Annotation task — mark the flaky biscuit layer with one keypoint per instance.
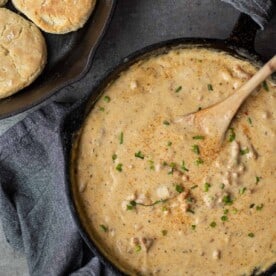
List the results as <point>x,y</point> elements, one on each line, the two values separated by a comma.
<point>23,52</point>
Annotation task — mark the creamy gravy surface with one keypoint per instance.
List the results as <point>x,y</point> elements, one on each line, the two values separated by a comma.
<point>150,200</point>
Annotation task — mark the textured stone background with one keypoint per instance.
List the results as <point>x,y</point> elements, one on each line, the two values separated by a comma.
<point>136,24</point>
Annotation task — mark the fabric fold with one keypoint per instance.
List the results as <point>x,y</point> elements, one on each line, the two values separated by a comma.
<point>34,210</point>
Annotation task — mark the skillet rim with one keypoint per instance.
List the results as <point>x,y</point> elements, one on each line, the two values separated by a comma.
<point>72,133</point>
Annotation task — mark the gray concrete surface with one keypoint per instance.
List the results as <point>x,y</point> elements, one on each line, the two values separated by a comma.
<point>138,23</point>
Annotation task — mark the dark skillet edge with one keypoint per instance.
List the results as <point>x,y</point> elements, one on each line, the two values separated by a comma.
<point>74,79</point>
<point>71,124</point>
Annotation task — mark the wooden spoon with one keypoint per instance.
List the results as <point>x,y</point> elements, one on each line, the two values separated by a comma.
<point>214,120</point>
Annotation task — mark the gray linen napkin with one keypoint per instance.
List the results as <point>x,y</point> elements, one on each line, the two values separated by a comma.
<point>259,10</point>
<point>33,206</point>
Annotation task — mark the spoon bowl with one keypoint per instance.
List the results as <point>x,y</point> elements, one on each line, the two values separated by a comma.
<point>213,121</point>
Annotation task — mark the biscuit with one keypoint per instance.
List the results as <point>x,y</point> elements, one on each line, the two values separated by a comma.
<point>3,2</point>
<point>23,52</point>
<point>55,16</point>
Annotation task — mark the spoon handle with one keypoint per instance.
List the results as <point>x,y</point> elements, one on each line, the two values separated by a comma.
<point>258,78</point>
<point>215,120</point>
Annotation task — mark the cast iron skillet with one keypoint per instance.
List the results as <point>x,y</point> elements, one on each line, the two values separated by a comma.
<point>69,58</point>
<point>240,44</point>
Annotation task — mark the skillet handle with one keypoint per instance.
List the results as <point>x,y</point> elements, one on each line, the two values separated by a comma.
<point>244,33</point>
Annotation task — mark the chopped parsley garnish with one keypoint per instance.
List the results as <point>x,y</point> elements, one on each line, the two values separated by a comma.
<point>164,208</point>
<point>193,187</point>
<point>198,137</point>
<point>259,207</point>
<point>199,161</point>
<point>139,155</point>
<point>151,164</point>
<point>258,178</point>
<point>213,224</point>
<point>164,163</point>
<point>119,167</point>
<point>224,218</point>
<point>101,109</point>
<point>227,200</point>
<point>114,156</point>
<point>249,120</point>
<point>132,204</point>
<point>155,202</point>
<point>178,89</point>
<point>207,186</point>
<point>183,167</point>
<point>179,188</point>
<point>226,211</point>
<point>232,135</point>
<point>121,138</point>
<point>173,166</point>
<point>193,226</point>
<point>222,186</point>
<point>244,151</point>
<point>190,199</point>
<point>242,190</point>
<point>107,99</point>
<point>164,232</point>
<point>195,149</point>
<point>251,235</point>
<point>165,122</point>
<point>251,205</point>
<point>235,211</point>
<point>190,211</point>
<point>103,228</point>
<point>265,86</point>
<point>169,143</point>
<point>138,248</point>
<point>210,87</point>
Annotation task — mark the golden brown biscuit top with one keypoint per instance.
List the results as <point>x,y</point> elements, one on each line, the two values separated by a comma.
<point>22,52</point>
<point>55,16</point>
